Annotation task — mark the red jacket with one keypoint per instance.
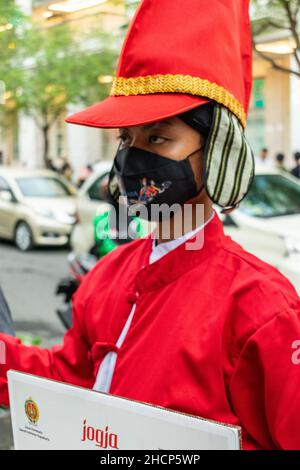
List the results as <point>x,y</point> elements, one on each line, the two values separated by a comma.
<point>212,335</point>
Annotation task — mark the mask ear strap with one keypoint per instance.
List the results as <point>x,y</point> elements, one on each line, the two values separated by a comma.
<point>200,190</point>
<point>195,151</point>
<point>113,191</point>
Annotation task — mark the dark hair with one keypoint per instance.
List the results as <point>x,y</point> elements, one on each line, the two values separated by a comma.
<point>199,118</point>
<point>280,157</point>
<point>297,156</point>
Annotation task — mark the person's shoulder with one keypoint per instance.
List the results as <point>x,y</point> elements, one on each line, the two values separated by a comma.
<point>258,283</point>
<point>124,252</point>
<point>257,293</point>
<point>124,259</point>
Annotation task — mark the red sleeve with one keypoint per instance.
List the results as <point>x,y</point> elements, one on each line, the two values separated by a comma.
<point>68,362</point>
<point>265,385</point>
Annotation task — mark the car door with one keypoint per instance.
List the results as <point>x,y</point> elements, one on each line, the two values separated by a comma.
<point>94,200</point>
<point>264,218</point>
<point>257,240</point>
<point>91,201</point>
<point>7,209</point>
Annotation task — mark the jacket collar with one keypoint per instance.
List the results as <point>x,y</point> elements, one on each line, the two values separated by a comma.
<point>181,259</point>
<point>162,249</point>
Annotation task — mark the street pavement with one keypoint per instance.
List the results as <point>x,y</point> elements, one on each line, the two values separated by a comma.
<point>28,281</point>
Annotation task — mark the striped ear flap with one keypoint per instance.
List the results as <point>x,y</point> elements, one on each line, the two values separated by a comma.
<point>229,160</point>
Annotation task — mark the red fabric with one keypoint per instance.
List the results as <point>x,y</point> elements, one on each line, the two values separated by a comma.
<point>212,335</point>
<point>208,40</point>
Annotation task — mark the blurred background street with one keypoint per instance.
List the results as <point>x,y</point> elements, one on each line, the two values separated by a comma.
<point>6,441</point>
<point>29,281</point>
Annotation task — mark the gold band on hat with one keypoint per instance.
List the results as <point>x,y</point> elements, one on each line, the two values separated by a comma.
<point>178,84</point>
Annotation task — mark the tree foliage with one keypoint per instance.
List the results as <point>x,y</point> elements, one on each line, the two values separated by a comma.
<point>49,67</point>
<point>282,16</point>
<point>11,28</point>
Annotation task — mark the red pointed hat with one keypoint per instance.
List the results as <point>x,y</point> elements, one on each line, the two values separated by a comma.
<point>176,56</point>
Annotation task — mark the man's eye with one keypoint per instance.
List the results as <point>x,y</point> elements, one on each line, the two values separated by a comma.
<point>156,139</point>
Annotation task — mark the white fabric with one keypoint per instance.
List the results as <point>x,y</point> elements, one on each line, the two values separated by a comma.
<point>107,366</point>
<point>158,251</point>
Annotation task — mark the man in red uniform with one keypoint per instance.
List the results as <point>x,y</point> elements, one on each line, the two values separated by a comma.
<point>211,331</point>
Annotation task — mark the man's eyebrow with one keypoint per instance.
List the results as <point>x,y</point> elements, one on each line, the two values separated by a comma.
<point>151,125</point>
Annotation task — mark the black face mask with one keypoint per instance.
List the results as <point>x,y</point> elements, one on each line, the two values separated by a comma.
<point>146,178</point>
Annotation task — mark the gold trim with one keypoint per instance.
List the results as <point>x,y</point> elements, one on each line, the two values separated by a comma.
<point>169,83</point>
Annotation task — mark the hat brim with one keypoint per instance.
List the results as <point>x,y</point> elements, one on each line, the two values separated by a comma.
<point>136,110</point>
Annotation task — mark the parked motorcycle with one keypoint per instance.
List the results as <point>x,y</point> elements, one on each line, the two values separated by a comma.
<point>79,266</point>
<point>7,327</point>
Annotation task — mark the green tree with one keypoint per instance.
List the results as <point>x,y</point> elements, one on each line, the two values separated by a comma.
<point>282,16</point>
<point>12,24</point>
<point>59,70</point>
<point>131,6</point>
<point>44,68</point>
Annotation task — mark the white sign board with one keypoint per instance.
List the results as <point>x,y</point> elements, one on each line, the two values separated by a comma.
<point>52,415</point>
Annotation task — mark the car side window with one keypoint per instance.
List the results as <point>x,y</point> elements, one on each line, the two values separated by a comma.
<point>98,189</point>
<point>4,186</point>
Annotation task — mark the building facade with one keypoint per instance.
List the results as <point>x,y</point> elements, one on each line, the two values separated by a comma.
<point>274,121</point>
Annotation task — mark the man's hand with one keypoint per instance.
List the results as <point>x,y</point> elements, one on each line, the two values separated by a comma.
<point>6,324</point>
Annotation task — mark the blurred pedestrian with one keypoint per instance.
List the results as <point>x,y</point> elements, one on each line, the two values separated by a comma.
<point>296,171</point>
<point>1,157</point>
<point>84,173</point>
<point>67,171</point>
<point>51,165</point>
<point>263,159</point>
<point>280,162</point>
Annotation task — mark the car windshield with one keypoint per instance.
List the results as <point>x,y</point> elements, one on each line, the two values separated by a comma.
<point>41,186</point>
<point>272,196</point>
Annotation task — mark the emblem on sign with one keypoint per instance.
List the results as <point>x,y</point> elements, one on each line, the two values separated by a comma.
<point>32,411</point>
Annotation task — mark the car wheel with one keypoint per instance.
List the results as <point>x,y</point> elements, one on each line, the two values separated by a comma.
<point>23,237</point>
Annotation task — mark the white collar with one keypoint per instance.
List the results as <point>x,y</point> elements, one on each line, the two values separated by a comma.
<point>158,251</point>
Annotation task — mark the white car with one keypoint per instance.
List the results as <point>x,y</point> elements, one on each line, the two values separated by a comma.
<point>37,207</point>
<point>90,201</point>
<point>267,223</point>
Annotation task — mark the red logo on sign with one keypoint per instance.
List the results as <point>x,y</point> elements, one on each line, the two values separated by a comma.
<point>102,438</point>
